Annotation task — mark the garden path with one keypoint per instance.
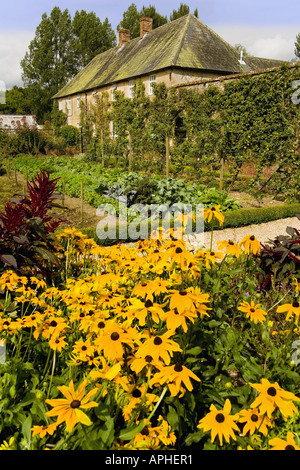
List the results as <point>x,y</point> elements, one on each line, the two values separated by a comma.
<point>263,232</point>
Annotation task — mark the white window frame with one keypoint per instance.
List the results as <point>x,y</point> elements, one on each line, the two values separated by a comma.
<point>131,88</point>
<point>113,88</point>
<point>69,106</point>
<point>60,105</point>
<point>78,101</point>
<point>152,79</point>
<point>114,135</point>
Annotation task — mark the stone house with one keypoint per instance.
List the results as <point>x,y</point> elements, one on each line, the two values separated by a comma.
<point>176,53</point>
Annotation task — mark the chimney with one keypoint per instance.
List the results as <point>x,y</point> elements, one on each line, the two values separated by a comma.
<point>124,37</point>
<point>145,26</point>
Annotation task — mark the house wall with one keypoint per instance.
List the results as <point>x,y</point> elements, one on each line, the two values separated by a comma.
<point>172,77</point>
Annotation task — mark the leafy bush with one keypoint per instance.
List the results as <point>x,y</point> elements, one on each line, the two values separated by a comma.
<point>70,134</point>
<point>26,229</point>
<point>280,258</point>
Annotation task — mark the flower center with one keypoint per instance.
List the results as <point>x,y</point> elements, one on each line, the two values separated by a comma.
<point>101,324</point>
<point>157,341</point>
<point>148,359</point>
<point>178,250</point>
<point>212,253</point>
<point>115,336</point>
<point>136,393</point>
<point>272,391</point>
<point>252,238</point>
<point>213,209</point>
<point>295,304</point>
<point>84,348</point>
<point>148,303</point>
<point>75,404</point>
<point>289,447</point>
<point>145,432</point>
<point>178,368</point>
<point>220,418</point>
<point>231,243</point>
<point>53,323</point>
<point>183,292</point>
<point>252,310</point>
<point>254,418</point>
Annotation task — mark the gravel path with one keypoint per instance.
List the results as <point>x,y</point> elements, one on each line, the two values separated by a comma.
<point>263,232</point>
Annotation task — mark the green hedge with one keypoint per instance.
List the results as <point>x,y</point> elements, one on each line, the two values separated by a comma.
<point>233,219</point>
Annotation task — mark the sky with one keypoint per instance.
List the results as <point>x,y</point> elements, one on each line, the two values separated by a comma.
<point>266,28</point>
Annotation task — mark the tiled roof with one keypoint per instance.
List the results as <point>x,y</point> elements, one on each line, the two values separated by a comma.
<point>184,43</point>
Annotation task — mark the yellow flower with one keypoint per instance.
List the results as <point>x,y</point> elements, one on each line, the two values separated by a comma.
<point>112,340</point>
<point>42,431</point>
<point>272,397</point>
<point>253,311</point>
<point>250,244</point>
<point>159,347</point>
<point>281,444</point>
<point>254,422</point>
<point>230,248</point>
<point>10,445</point>
<point>214,212</point>
<point>69,410</point>
<point>220,423</point>
<point>290,309</point>
<point>175,376</point>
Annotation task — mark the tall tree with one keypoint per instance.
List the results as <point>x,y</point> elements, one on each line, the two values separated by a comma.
<point>131,19</point>
<point>60,48</point>
<point>91,37</point>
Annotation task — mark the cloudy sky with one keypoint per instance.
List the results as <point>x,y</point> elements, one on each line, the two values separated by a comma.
<point>267,28</point>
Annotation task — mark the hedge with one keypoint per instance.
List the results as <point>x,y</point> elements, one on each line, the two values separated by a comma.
<point>233,219</point>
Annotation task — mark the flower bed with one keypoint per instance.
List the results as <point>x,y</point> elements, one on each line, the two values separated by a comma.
<point>147,347</point>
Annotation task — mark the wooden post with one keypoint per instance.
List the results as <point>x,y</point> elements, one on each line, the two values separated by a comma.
<point>167,156</point>
<point>63,190</point>
<point>221,184</point>
<point>81,191</point>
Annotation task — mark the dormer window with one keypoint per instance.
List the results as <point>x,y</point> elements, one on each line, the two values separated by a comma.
<point>152,79</point>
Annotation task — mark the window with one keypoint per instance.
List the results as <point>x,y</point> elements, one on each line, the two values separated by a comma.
<point>69,106</point>
<point>60,105</point>
<point>113,89</point>
<point>95,97</point>
<point>78,101</point>
<point>152,79</point>
<point>131,88</point>
<point>114,134</point>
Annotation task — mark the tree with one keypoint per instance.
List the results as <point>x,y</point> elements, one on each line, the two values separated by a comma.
<point>60,48</point>
<point>182,11</point>
<point>91,37</point>
<point>17,102</point>
<point>297,46</point>
<point>131,19</point>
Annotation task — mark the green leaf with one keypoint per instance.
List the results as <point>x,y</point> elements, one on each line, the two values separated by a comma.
<point>129,433</point>
<point>26,429</point>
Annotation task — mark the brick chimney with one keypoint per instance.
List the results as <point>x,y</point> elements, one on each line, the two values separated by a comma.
<point>124,37</point>
<point>145,26</point>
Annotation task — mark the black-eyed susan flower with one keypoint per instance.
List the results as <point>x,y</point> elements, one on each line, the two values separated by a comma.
<point>138,364</point>
<point>230,247</point>
<point>135,396</point>
<point>159,347</point>
<point>284,444</point>
<point>253,311</point>
<point>112,341</point>
<point>290,310</point>
<point>42,431</point>
<point>175,319</point>
<point>220,423</point>
<point>182,300</point>
<point>214,212</point>
<point>69,409</point>
<point>271,397</point>
<point>57,343</point>
<point>253,421</point>
<point>250,245</point>
<point>175,376</point>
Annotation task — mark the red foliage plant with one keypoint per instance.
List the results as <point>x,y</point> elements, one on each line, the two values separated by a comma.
<point>26,227</point>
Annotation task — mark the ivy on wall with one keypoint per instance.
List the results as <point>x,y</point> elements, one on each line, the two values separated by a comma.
<point>251,118</point>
